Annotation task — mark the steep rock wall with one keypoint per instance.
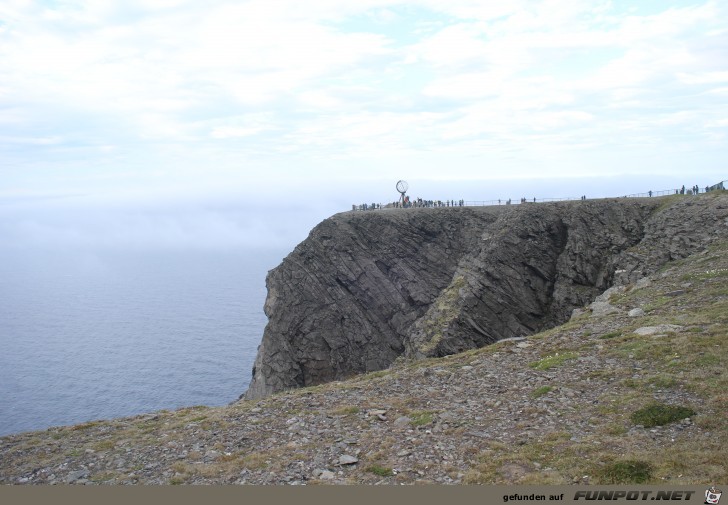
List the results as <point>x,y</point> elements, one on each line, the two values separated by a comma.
<point>367,287</point>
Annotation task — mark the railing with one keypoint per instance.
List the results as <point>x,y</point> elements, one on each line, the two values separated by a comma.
<point>485,203</point>
<point>482,203</point>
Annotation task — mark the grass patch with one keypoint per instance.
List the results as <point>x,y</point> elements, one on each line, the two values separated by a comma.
<point>345,411</point>
<point>657,303</point>
<point>554,451</point>
<point>228,466</point>
<point>255,461</point>
<point>380,470</point>
<point>626,472</point>
<point>643,349</point>
<point>708,360</point>
<point>85,426</point>
<point>442,312</point>
<point>193,408</point>
<point>611,334</point>
<point>105,445</point>
<point>615,429</point>
<point>662,381</point>
<point>179,467</point>
<point>539,392</point>
<point>552,360</point>
<point>659,414</point>
<point>667,201</point>
<point>708,274</point>
<point>103,477</point>
<point>422,418</point>
<point>376,375</point>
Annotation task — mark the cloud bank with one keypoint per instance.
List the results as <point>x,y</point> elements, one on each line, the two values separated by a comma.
<point>104,95</point>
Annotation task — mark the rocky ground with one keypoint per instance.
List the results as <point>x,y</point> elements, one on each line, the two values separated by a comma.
<point>553,408</point>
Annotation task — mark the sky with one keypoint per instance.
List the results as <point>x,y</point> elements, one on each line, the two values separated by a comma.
<point>223,124</point>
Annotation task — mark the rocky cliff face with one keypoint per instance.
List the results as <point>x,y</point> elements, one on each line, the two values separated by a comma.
<point>368,287</point>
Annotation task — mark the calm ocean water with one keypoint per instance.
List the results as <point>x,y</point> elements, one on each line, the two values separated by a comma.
<point>103,335</point>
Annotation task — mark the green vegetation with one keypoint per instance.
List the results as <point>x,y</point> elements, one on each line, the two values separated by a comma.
<point>658,302</point>
<point>421,418</point>
<point>630,383</point>
<point>376,375</point>
<point>104,445</point>
<point>552,361</point>
<point>707,360</point>
<point>346,411</point>
<point>611,334</point>
<point>103,477</point>
<point>662,381</point>
<point>659,414</point>
<point>538,392</point>
<point>708,274</point>
<point>626,472</point>
<point>640,349</point>
<point>446,309</point>
<point>615,429</point>
<point>380,470</point>
<point>85,426</point>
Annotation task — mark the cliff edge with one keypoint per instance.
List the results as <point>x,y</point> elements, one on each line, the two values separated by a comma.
<point>366,288</point>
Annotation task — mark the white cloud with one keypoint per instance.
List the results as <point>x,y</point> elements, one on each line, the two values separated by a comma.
<point>474,9</point>
<point>226,132</point>
<point>31,140</point>
<point>704,78</point>
<point>282,87</point>
<point>454,45</point>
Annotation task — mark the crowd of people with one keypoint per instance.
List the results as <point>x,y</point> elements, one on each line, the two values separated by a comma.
<point>406,203</point>
<point>692,191</point>
<point>420,203</point>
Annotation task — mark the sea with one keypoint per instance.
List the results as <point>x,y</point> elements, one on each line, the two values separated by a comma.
<point>98,335</point>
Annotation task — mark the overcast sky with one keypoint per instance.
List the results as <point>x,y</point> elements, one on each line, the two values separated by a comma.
<point>213,110</point>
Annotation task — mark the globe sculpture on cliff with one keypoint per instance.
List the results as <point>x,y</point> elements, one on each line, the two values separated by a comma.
<point>402,188</point>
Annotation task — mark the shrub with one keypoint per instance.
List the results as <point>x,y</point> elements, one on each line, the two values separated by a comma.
<point>659,414</point>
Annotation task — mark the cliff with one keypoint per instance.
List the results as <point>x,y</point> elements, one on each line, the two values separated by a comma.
<point>366,288</point>
<point>630,391</point>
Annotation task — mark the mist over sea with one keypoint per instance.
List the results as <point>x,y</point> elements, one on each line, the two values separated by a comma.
<point>98,335</point>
